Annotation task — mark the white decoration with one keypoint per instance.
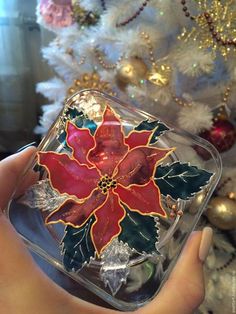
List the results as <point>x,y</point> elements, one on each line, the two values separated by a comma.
<point>50,113</point>
<point>54,89</point>
<point>195,118</point>
<point>192,61</point>
<point>115,269</point>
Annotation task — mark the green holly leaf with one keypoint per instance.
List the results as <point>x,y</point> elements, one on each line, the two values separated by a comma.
<point>77,246</point>
<point>139,232</point>
<point>159,127</point>
<point>181,180</point>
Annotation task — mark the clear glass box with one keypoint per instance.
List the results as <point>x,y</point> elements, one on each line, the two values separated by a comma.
<point>110,198</point>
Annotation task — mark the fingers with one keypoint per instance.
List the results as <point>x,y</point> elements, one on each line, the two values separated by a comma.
<point>13,253</point>
<point>11,169</point>
<point>184,290</point>
<point>24,288</point>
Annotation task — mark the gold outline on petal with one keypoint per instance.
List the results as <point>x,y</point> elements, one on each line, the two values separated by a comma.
<point>49,174</point>
<point>136,210</point>
<point>142,131</point>
<point>170,151</point>
<point>121,129</point>
<point>70,223</point>
<point>89,164</point>
<point>120,229</point>
<point>114,172</point>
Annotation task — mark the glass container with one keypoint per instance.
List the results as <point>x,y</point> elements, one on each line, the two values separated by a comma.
<point>112,195</point>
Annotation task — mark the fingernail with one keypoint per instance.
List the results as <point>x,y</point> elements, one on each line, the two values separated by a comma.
<point>24,147</point>
<point>206,241</point>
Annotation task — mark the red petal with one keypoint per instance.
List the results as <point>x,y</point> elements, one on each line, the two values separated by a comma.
<point>107,225</point>
<point>138,138</point>
<point>81,141</point>
<point>144,199</point>
<point>76,214</point>
<point>110,146</point>
<point>139,164</point>
<point>68,176</point>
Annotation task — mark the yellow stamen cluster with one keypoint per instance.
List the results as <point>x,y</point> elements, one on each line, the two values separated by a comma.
<point>106,183</point>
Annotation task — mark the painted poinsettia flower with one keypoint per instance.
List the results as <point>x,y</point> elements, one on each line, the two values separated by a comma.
<point>105,172</point>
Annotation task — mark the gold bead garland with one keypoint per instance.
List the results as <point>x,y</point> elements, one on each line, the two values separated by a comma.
<point>160,72</point>
<point>100,57</point>
<point>127,69</point>
<point>226,94</point>
<point>146,37</point>
<point>70,52</point>
<point>219,113</point>
<point>90,80</point>
<point>180,101</point>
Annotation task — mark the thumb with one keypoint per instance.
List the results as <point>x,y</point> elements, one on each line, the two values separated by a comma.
<point>13,253</point>
<point>11,169</point>
<point>184,290</point>
<point>23,286</point>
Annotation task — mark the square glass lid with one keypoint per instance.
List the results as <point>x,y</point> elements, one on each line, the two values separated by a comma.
<point>112,198</point>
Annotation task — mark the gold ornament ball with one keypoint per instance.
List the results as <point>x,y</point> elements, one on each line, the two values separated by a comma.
<point>197,202</point>
<point>221,212</point>
<point>131,71</point>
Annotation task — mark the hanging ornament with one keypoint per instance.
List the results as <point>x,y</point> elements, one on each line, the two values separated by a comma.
<point>56,13</point>
<point>221,212</point>
<point>215,25</point>
<point>131,71</point>
<point>222,135</point>
<point>159,75</point>
<point>83,17</point>
<point>160,72</point>
<point>90,80</point>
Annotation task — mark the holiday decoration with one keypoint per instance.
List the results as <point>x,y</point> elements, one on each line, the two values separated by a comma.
<point>178,74</point>
<point>109,188</point>
<point>56,13</point>
<point>221,212</point>
<point>214,26</point>
<point>88,80</point>
<point>131,71</point>
<point>83,17</point>
<point>159,75</point>
<point>134,16</point>
<point>222,135</point>
<point>201,113</point>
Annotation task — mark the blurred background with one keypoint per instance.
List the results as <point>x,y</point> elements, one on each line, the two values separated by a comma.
<point>175,59</point>
<point>21,66</point>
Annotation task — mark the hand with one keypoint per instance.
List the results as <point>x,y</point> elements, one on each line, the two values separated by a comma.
<point>25,289</point>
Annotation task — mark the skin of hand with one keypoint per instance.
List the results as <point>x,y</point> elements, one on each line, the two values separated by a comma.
<point>25,289</point>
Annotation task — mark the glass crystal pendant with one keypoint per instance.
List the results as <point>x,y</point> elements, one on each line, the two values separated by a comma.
<point>113,196</point>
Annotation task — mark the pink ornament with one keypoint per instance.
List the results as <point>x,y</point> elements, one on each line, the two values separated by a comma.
<point>57,13</point>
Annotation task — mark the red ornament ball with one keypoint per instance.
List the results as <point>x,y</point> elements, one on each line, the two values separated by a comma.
<point>222,135</point>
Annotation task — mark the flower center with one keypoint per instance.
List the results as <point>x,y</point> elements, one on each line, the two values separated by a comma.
<point>106,183</point>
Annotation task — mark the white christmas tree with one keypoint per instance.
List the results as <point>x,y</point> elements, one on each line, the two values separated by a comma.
<point>176,60</point>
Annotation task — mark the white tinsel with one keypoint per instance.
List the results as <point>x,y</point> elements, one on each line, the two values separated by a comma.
<point>192,61</point>
<point>195,118</point>
<point>89,5</point>
<point>67,67</point>
<point>50,113</point>
<point>54,89</point>
<point>169,16</point>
